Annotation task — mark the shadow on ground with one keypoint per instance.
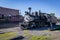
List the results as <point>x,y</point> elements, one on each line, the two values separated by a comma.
<point>9,25</point>
<point>16,24</point>
<point>57,27</point>
<point>18,38</point>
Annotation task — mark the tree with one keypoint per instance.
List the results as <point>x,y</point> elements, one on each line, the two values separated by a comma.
<point>52,14</point>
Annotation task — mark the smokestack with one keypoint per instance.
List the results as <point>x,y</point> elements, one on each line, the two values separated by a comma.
<point>29,10</point>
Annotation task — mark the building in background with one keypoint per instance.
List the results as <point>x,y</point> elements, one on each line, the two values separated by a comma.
<point>10,14</point>
<point>8,11</point>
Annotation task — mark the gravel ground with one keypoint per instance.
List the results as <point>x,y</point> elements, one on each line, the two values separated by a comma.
<point>37,31</point>
<point>19,32</point>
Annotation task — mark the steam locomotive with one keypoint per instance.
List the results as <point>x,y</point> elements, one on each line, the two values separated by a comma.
<point>37,19</point>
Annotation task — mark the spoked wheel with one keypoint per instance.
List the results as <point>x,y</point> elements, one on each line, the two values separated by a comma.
<point>33,25</point>
<point>24,27</point>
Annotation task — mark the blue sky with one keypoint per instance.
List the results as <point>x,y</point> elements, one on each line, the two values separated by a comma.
<point>48,6</point>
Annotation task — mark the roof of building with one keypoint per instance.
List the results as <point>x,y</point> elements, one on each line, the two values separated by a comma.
<point>8,11</point>
<point>8,8</point>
